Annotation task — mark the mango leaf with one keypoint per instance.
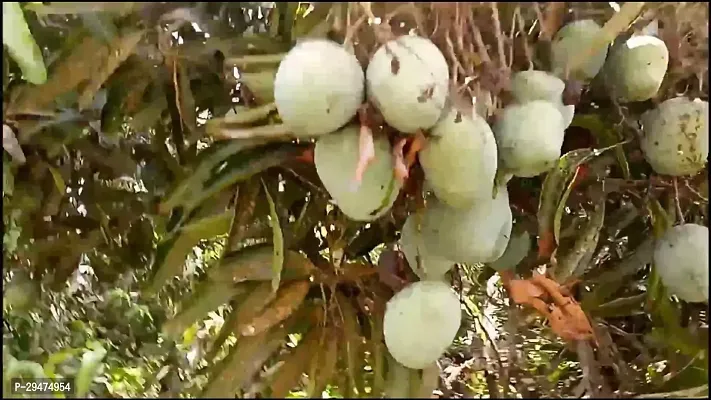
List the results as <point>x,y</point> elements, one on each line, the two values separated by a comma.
<point>553,192</point>
<point>553,187</point>
<point>281,20</point>
<point>247,357</point>
<point>608,283</point>
<point>58,358</point>
<point>428,382</point>
<point>397,385</point>
<point>288,299</point>
<point>89,369</point>
<point>325,365</point>
<point>185,100</point>
<point>247,196</point>
<point>62,7</point>
<point>294,364</point>
<point>254,264</point>
<point>621,307</point>
<point>573,263</point>
<point>11,145</point>
<point>207,297</point>
<point>21,45</point>
<point>253,305</point>
<point>208,162</point>
<point>237,168</point>
<point>101,26</point>
<point>260,84</point>
<point>605,137</point>
<point>228,326</point>
<point>85,68</point>
<point>377,353</point>
<point>352,345</point>
<point>113,56</point>
<point>277,241</point>
<point>171,253</point>
<point>240,116</point>
<point>315,24</point>
<point>558,216</point>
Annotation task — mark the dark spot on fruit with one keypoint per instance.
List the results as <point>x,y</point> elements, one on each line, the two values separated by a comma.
<point>382,187</point>
<point>328,110</point>
<point>394,65</point>
<point>649,63</point>
<point>656,143</point>
<point>426,94</point>
<point>458,117</point>
<point>678,147</point>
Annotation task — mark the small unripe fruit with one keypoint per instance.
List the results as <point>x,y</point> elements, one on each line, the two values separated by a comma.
<point>532,85</point>
<point>635,70</point>
<point>681,260</point>
<point>336,158</point>
<point>517,249</point>
<point>318,87</point>
<point>408,80</point>
<point>676,136</point>
<point>478,234</point>
<point>420,323</point>
<point>422,263</point>
<point>569,42</point>
<point>460,159</point>
<point>529,137</point>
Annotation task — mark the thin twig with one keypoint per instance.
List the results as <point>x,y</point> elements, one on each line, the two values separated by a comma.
<point>499,38</point>
<point>677,203</point>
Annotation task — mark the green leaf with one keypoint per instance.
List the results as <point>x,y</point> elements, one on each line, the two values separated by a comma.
<point>397,385</point>
<point>217,160</point>
<point>240,116</point>
<point>554,186</point>
<point>207,297</point>
<point>241,167</point>
<point>260,84</point>
<point>89,369</point>
<point>245,359</point>
<point>61,7</point>
<point>605,137</point>
<point>57,358</point>
<point>254,263</point>
<point>171,253</point>
<point>574,263</point>
<point>21,45</point>
<point>277,241</point>
<point>621,307</point>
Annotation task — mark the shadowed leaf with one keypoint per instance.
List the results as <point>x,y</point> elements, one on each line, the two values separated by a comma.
<point>254,263</point>
<point>207,297</point>
<point>288,299</point>
<point>277,241</point>
<point>171,254</point>
<point>295,363</point>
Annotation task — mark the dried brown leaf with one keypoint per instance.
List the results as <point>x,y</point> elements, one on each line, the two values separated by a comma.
<point>85,69</point>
